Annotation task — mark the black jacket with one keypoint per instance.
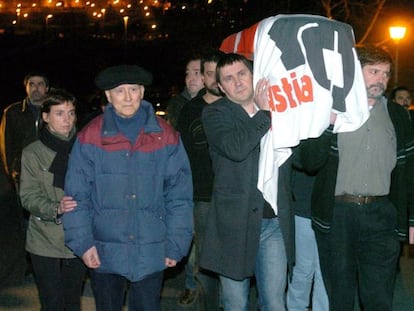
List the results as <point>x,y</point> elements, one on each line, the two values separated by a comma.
<point>234,222</point>
<point>19,128</point>
<point>195,142</point>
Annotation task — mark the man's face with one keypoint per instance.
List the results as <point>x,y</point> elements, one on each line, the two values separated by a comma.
<point>376,79</point>
<point>236,81</point>
<point>61,118</point>
<point>126,99</point>
<point>209,78</point>
<point>36,89</point>
<point>193,80</point>
<point>403,98</point>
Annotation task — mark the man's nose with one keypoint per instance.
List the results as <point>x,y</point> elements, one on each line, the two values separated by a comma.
<point>384,79</point>
<point>237,80</point>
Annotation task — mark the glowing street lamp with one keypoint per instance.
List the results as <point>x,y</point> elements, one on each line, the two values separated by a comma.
<point>126,28</point>
<point>126,34</point>
<point>103,11</point>
<point>397,33</point>
<point>49,16</point>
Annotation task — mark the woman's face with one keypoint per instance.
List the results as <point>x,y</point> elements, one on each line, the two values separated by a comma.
<point>61,118</point>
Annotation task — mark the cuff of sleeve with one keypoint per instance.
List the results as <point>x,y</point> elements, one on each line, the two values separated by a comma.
<point>57,217</point>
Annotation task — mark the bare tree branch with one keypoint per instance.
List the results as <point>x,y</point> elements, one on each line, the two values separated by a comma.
<point>373,21</point>
<point>361,14</point>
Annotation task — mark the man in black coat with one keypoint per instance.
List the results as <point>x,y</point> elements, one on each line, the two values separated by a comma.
<point>245,236</point>
<point>20,123</point>
<point>19,127</point>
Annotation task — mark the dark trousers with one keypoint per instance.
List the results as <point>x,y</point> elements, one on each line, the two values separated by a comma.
<point>360,252</point>
<point>109,292</point>
<point>59,282</point>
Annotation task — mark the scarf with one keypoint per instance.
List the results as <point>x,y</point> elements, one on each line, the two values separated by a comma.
<point>62,148</point>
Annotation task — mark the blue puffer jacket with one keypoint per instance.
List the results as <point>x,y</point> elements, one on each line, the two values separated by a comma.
<point>134,201</point>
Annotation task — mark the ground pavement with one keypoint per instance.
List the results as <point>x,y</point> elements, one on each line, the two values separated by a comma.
<point>24,296</point>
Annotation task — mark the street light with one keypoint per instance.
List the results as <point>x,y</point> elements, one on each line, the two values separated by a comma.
<point>397,33</point>
<point>126,28</point>
<point>49,16</point>
<point>103,11</point>
<point>126,35</point>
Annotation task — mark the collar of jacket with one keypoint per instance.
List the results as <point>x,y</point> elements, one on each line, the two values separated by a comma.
<point>109,128</point>
<point>25,104</point>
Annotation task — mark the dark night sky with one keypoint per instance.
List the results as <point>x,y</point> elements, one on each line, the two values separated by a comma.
<point>73,64</point>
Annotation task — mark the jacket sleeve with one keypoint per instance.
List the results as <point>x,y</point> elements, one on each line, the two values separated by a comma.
<point>410,184</point>
<point>7,143</point>
<point>409,172</point>
<point>178,195</point>
<point>314,152</point>
<point>233,134</point>
<point>32,192</point>
<point>78,184</point>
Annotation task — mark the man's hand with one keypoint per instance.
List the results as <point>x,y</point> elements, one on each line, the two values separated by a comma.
<point>411,235</point>
<point>170,262</point>
<point>91,258</point>
<point>261,94</point>
<point>333,118</point>
<point>67,204</point>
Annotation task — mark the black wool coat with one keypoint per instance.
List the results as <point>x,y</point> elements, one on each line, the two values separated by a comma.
<point>233,229</point>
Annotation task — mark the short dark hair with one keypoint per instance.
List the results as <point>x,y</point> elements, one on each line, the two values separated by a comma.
<point>229,59</point>
<point>370,55</point>
<point>57,97</point>
<point>397,89</point>
<point>212,56</point>
<point>193,57</point>
<point>36,74</point>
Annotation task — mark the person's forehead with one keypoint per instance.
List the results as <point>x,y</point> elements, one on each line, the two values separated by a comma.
<point>122,86</point>
<point>193,65</point>
<point>66,105</point>
<point>210,65</point>
<point>36,79</point>
<point>234,67</point>
<point>383,66</point>
<point>403,93</point>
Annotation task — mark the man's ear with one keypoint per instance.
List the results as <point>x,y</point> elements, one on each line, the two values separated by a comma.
<point>45,117</point>
<point>142,91</point>
<point>220,87</point>
<point>108,96</point>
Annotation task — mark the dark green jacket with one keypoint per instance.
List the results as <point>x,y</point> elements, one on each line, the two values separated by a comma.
<point>38,195</point>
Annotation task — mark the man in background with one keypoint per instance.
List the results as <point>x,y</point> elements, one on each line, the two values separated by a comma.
<point>402,95</point>
<point>193,84</point>
<point>20,123</point>
<point>19,127</point>
<point>195,142</point>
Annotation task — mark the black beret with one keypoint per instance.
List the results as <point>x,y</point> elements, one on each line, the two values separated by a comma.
<point>111,77</point>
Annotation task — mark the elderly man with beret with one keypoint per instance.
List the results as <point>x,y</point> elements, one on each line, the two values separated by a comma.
<point>130,182</point>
